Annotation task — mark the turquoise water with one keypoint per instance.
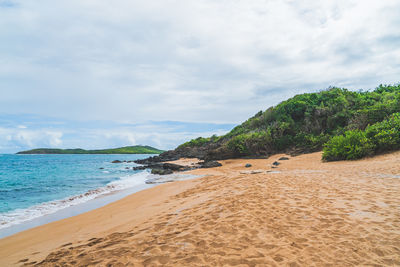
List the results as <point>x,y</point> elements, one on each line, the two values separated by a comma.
<point>35,185</point>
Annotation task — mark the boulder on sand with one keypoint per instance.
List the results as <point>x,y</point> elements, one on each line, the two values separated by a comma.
<point>210,164</point>
<point>172,166</point>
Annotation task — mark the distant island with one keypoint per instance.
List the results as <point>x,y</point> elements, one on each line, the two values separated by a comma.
<point>120,150</point>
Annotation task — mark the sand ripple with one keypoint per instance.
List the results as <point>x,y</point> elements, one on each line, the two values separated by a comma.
<point>307,214</point>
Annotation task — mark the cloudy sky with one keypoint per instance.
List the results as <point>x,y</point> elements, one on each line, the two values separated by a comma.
<point>98,73</point>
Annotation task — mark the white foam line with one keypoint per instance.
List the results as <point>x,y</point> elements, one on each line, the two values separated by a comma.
<point>23,215</point>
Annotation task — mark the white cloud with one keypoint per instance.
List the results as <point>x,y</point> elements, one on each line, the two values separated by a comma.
<point>218,61</point>
<point>17,139</point>
<point>58,133</point>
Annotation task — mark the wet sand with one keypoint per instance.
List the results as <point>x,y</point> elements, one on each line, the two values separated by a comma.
<point>302,213</point>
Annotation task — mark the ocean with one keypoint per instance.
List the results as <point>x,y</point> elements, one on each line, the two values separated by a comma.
<point>33,186</point>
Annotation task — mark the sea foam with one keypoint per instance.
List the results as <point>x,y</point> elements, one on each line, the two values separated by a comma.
<point>19,216</point>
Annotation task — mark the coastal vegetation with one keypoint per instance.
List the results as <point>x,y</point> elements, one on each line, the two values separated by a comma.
<point>345,124</point>
<point>120,150</point>
<point>354,144</point>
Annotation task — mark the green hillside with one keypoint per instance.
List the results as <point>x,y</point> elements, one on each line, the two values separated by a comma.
<point>121,150</point>
<point>308,122</point>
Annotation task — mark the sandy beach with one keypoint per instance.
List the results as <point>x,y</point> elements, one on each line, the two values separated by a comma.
<point>302,213</point>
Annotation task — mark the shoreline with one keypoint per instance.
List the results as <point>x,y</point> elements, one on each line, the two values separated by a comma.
<point>40,240</point>
<point>39,185</point>
<point>302,212</point>
<point>91,204</point>
<point>70,211</point>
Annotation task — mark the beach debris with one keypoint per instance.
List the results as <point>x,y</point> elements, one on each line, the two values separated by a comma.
<point>210,164</point>
<point>284,158</point>
<point>276,163</point>
<point>116,161</point>
<point>248,165</point>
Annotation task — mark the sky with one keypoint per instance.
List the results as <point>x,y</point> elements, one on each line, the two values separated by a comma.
<point>98,74</point>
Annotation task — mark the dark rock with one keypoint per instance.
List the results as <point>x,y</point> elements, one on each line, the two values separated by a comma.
<point>284,158</point>
<point>276,163</point>
<point>116,161</point>
<point>161,171</point>
<point>219,153</point>
<point>157,166</point>
<point>209,164</point>
<point>201,153</point>
<point>127,168</point>
<point>248,165</point>
<point>101,168</point>
<point>139,168</point>
<point>174,167</point>
<point>164,166</point>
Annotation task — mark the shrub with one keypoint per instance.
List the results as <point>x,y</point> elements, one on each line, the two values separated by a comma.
<point>305,122</point>
<point>238,144</point>
<point>352,145</point>
<point>311,142</point>
<point>200,141</point>
<point>255,143</point>
<point>385,135</point>
<point>379,137</point>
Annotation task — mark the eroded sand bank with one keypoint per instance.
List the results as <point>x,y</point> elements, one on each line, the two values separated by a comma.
<point>302,213</point>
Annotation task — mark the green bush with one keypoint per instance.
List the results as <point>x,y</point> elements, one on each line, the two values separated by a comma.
<point>379,137</point>
<point>200,141</point>
<point>237,144</point>
<point>305,122</point>
<point>385,135</point>
<point>311,142</point>
<point>256,143</point>
<point>352,145</point>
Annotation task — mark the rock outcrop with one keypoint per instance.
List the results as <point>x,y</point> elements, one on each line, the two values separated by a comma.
<point>209,164</point>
